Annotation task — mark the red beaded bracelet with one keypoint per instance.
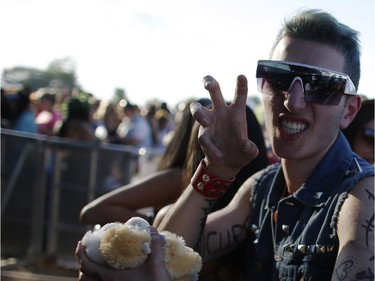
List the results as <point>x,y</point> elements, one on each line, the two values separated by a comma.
<point>207,184</point>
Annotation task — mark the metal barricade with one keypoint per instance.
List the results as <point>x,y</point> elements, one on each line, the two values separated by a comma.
<point>22,190</point>
<point>45,182</point>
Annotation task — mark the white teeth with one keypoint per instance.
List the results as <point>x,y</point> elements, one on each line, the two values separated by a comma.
<point>292,127</point>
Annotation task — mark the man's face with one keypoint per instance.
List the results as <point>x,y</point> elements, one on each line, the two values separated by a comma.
<point>297,129</point>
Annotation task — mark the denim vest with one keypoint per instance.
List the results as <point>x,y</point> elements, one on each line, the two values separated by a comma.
<point>296,236</point>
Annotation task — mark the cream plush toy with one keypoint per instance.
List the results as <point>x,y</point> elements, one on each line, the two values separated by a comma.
<point>127,245</point>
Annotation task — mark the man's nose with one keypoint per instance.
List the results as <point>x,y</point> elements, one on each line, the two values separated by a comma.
<point>295,98</point>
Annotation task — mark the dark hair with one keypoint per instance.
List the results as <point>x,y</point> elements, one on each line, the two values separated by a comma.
<point>49,97</point>
<point>79,108</point>
<point>322,27</point>
<point>77,112</point>
<point>177,149</point>
<point>23,100</point>
<point>365,114</point>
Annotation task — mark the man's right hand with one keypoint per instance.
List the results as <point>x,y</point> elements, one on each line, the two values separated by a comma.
<point>223,130</point>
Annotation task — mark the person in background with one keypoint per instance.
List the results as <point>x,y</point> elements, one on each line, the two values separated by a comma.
<point>109,119</point>
<point>16,111</point>
<point>6,110</point>
<point>164,106</point>
<point>163,127</point>
<point>360,133</point>
<point>94,106</point>
<point>77,123</point>
<point>149,114</point>
<point>47,116</point>
<point>134,129</point>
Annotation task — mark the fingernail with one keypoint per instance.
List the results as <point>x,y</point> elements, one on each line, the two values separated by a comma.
<point>208,81</point>
<point>153,230</point>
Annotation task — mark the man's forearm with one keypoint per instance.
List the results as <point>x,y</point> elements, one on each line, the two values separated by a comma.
<point>188,216</point>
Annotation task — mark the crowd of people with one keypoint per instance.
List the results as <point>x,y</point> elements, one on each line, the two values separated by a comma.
<point>78,115</point>
<point>304,212</point>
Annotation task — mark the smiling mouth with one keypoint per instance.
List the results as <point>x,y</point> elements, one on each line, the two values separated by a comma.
<point>292,127</point>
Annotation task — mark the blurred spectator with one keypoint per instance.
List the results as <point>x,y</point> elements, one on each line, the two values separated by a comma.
<point>360,133</point>
<point>94,106</point>
<point>47,115</point>
<point>164,106</point>
<point>134,129</point>
<point>150,117</point>
<point>16,112</point>
<point>6,112</point>
<point>108,119</point>
<point>163,126</point>
<point>77,123</point>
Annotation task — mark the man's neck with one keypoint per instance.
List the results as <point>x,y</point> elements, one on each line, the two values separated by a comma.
<point>296,172</point>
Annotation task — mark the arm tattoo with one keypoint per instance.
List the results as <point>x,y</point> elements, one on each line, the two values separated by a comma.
<point>369,223</point>
<point>205,211</point>
<point>344,270</point>
<point>367,275</point>
<point>227,240</point>
<point>369,227</point>
<point>369,194</point>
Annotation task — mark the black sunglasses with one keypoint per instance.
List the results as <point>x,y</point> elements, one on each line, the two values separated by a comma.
<point>321,86</point>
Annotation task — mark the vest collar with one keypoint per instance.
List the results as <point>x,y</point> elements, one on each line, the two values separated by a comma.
<point>336,164</point>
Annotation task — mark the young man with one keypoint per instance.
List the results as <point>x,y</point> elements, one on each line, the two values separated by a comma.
<point>313,215</point>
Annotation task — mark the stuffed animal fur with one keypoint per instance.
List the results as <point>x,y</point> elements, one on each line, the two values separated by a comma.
<point>126,246</point>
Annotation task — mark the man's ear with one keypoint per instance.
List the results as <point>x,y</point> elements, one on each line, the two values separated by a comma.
<point>353,104</point>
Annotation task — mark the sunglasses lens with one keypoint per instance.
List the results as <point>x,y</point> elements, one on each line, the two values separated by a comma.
<point>319,89</point>
<point>323,90</point>
<point>277,84</point>
<point>279,79</point>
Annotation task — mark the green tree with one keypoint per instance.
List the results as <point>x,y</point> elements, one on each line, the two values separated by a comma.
<point>59,74</point>
<point>119,94</point>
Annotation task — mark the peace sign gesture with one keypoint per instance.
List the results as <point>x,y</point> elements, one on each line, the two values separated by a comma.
<point>223,130</point>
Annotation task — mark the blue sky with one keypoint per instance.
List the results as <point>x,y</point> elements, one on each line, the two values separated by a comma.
<point>162,49</point>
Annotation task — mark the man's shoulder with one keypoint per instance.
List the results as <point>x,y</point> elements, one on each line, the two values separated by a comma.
<point>364,188</point>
